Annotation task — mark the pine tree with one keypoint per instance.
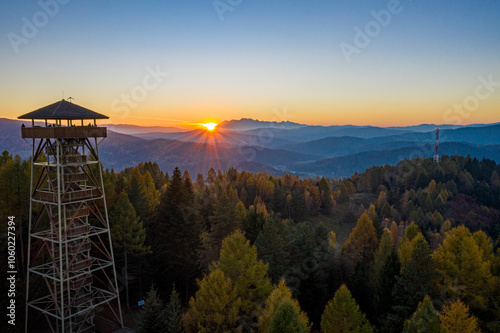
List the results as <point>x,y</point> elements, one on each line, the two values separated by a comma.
<point>455,318</point>
<point>238,261</point>
<point>173,314</point>
<point>128,234</point>
<point>342,314</point>
<point>463,271</point>
<point>280,294</point>
<point>287,319</point>
<point>362,242</point>
<point>215,306</point>
<point>152,317</point>
<point>424,320</point>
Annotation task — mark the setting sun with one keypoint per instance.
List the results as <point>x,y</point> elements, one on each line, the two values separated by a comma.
<point>210,126</point>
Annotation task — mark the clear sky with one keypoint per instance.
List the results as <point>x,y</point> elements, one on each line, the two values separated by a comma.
<point>309,61</point>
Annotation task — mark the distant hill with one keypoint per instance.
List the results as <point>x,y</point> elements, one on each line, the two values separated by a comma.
<point>344,145</point>
<point>345,166</point>
<point>245,124</point>
<point>309,133</point>
<point>134,129</point>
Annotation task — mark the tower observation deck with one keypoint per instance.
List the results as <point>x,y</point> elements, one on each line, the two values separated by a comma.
<point>71,277</point>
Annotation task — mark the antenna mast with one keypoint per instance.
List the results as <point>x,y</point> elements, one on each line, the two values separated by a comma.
<point>436,148</point>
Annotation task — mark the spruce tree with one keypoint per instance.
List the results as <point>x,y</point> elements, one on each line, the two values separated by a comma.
<point>416,281</point>
<point>424,320</point>
<point>152,317</point>
<point>280,294</point>
<point>384,299</point>
<point>384,250</point>
<point>287,319</point>
<point>272,245</point>
<point>176,236</point>
<point>128,234</point>
<point>173,314</point>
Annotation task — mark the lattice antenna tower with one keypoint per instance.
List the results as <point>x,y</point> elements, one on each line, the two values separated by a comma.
<point>436,147</point>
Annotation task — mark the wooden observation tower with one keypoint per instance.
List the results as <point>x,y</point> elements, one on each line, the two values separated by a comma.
<point>71,278</point>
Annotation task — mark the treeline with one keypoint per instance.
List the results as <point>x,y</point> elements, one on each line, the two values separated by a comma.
<point>254,251</point>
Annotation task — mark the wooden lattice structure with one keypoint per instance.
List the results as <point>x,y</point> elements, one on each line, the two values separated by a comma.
<point>71,276</point>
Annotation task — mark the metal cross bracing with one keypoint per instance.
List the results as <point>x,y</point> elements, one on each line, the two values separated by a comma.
<point>71,272</point>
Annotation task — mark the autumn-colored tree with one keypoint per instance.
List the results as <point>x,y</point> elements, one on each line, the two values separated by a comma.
<point>456,318</point>
<point>287,319</point>
<point>238,261</point>
<point>342,314</point>
<point>384,250</point>
<point>394,232</point>
<point>280,294</point>
<point>362,242</point>
<point>215,306</point>
<point>151,194</point>
<point>408,243</point>
<point>463,270</point>
<point>424,320</point>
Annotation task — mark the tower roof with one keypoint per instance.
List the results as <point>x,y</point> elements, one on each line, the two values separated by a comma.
<point>63,110</point>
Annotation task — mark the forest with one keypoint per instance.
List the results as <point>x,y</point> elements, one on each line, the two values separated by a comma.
<point>413,247</point>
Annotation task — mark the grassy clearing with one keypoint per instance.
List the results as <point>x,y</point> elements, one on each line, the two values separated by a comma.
<point>341,222</point>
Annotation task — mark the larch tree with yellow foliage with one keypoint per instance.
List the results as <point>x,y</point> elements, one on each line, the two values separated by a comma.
<point>238,261</point>
<point>464,269</point>
<point>362,241</point>
<point>215,306</point>
<point>456,318</point>
<point>343,315</point>
<point>280,294</point>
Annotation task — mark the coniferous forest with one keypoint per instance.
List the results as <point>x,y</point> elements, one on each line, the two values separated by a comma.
<point>413,247</point>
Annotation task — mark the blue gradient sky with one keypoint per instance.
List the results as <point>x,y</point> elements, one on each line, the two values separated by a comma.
<point>265,57</point>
